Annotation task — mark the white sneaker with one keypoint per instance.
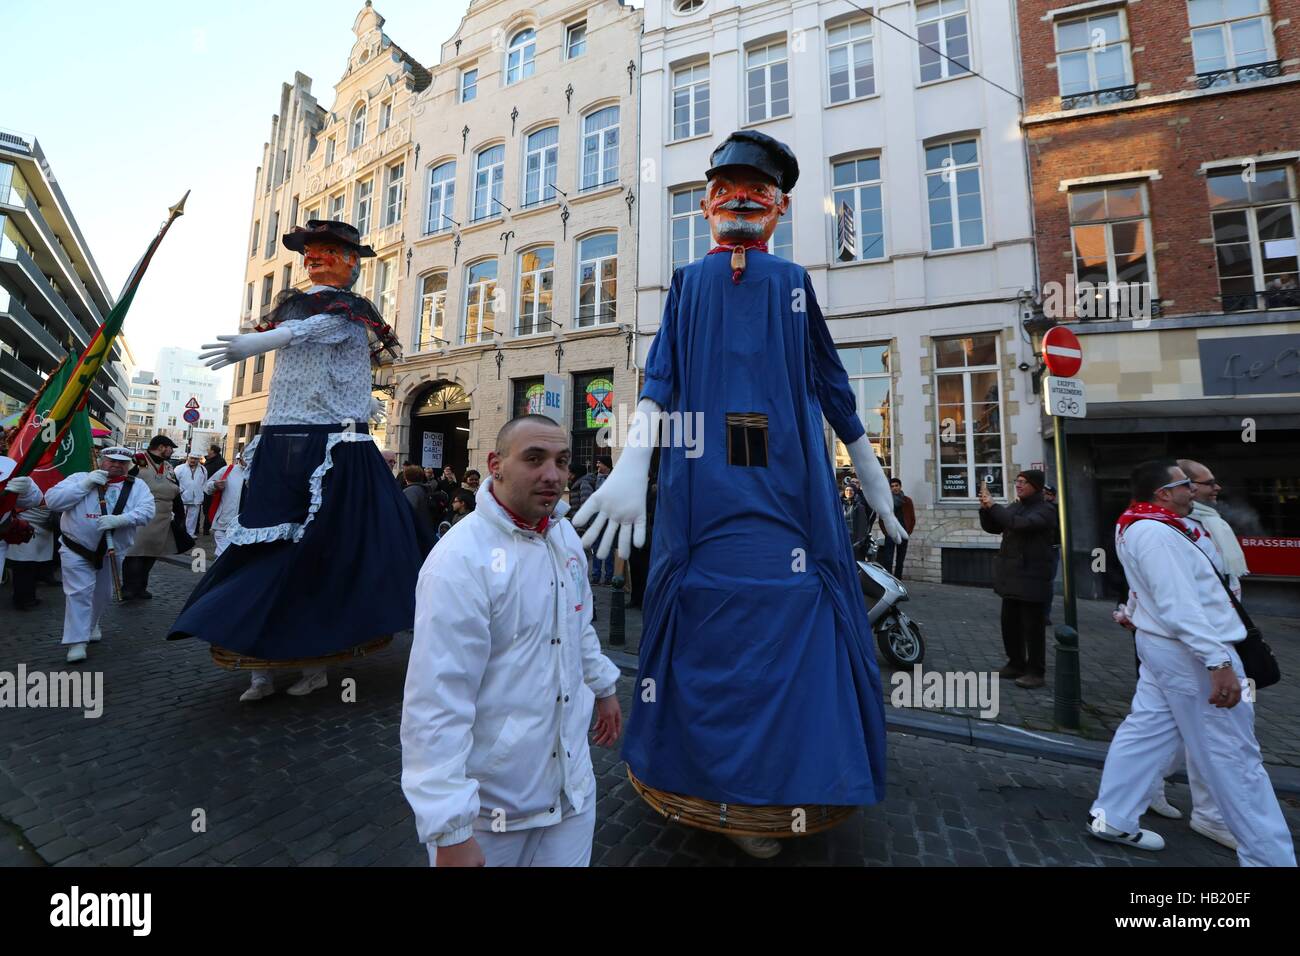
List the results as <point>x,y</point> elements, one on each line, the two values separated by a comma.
<point>308,683</point>
<point>96,634</point>
<point>76,652</point>
<point>257,690</point>
<point>1141,840</point>
<point>1219,834</point>
<point>761,848</point>
<point>1161,805</point>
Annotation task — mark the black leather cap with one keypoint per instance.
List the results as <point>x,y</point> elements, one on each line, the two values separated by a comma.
<point>334,229</point>
<point>759,151</point>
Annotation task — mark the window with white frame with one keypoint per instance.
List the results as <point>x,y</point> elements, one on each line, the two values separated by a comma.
<point>541,161</point>
<point>767,82</point>
<point>575,40</point>
<point>851,60</point>
<point>1229,33</point>
<point>358,127</point>
<point>600,148</point>
<point>468,85</point>
<point>521,55</point>
<point>783,235</point>
<point>386,288</point>
<point>395,180</point>
<point>943,27</point>
<point>691,101</point>
<point>271,230</point>
<point>968,399</point>
<point>683,7</point>
<point>597,279</point>
<point>857,186</point>
<point>480,305</point>
<point>1110,228</point>
<point>361,219</point>
<point>870,378</point>
<point>257,238</point>
<point>442,193</point>
<point>329,151</point>
<point>336,207</point>
<point>689,229</point>
<point>536,288</point>
<point>293,213</point>
<point>430,332</point>
<point>952,180</point>
<point>385,115</point>
<point>1092,54</point>
<point>1256,224</point>
<point>313,213</point>
<point>489,174</point>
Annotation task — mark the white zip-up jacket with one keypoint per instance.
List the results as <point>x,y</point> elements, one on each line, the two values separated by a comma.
<point>81,511</point>
<point>228,509</point>
<point>191,481</point>
<point>1176,592</point>
<point>503,674</point>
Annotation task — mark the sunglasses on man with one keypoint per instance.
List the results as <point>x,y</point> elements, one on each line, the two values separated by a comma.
<point>1176,484</point>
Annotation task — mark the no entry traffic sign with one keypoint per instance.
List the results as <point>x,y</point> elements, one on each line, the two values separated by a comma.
<point>1061,352</point>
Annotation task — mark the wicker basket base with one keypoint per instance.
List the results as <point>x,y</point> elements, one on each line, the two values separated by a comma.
<point>738,819</point>
<point>238,662</point>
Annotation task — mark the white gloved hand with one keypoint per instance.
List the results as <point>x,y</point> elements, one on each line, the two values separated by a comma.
<point>231,349</point>
<point>378,412</point>
<point>618,505</point>
<point>20,485</point>
<point>109,522</point>
<point>875,487</point>
<point>95,478</point>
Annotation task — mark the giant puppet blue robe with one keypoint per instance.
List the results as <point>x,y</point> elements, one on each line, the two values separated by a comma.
<point>766,690</point>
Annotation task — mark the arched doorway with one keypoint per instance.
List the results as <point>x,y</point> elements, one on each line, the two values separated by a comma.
<point>441,412</point>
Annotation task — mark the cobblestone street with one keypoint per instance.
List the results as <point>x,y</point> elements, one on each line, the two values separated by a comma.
<point>315,781</point>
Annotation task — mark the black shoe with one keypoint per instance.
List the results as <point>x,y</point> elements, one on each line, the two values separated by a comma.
<point>1011,672</point>
<point>26,605</point>
<point>145,596</point>
<point>1031,681</point>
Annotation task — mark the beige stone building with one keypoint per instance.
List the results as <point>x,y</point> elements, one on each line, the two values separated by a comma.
<point>352,162</point>
<point>519,280</point>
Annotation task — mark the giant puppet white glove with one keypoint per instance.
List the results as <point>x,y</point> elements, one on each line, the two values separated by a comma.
<point>875,487</point>
<point>378,412</point>
<point>618,505</point>
<point>231,349</point>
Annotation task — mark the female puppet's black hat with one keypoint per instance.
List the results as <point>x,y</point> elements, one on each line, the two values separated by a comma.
<point>333,229</point>
<point>759,151</point>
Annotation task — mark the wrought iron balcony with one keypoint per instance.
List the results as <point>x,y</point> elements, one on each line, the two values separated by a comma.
<point>1267,299</point>
<point>1248,73</point>
<point>1112,94</point>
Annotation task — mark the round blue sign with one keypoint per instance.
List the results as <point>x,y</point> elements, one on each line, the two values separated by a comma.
<point>191,415</point>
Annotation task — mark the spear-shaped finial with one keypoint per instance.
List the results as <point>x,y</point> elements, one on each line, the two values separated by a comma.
<point>178,209</point>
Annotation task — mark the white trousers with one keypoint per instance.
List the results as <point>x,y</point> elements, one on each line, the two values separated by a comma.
<point>1171,708</point>
<point>220,538</point>
<point>192,518</point>
<point>567,843</point>
<point>86,592</point>
<point>1203,806</point>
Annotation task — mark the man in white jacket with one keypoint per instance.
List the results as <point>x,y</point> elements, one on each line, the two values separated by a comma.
<point>1189,689</point>
<point>225,486</point>
<point>26,490</point>
<point>504,670</point>
<point>87,577</point>
<point>192,476</point>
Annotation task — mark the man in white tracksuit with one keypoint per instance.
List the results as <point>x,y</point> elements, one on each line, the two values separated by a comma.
<point>87,577</point>
<point>1190,682</point>
<point>192,476</point>
<point>29,496</point>
<point>228,483</point>
<point>504,670</point>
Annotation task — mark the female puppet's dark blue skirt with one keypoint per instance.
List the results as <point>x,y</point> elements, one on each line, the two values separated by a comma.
<point>324,557</point>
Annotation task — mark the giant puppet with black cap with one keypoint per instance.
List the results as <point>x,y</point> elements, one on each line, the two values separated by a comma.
<point>320,562</point>
<point>759,690</point>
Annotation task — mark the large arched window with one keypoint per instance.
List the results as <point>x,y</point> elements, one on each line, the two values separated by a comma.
<point>597,279</point>
<point>541,159</point>
<point>520,57</point>
<point>480,305</point>
<point>442,193</point>
<point>489,174</point>
<point>433,312</point>
<point>600,148</point>
<point>358,126</point>
<point>536,288</point>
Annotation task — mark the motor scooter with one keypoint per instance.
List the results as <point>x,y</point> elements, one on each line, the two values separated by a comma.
<point>897,635</point>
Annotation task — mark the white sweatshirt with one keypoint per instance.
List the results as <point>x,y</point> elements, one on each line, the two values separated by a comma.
<point>81,510</point>
<point>503,674</point>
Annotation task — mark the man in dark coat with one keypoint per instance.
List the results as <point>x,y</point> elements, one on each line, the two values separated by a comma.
<point>1025,567</point>
<point>213,463</point>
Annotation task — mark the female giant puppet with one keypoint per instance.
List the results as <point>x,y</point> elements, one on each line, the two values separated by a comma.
<point>758,710</point>
<point>322,559</point>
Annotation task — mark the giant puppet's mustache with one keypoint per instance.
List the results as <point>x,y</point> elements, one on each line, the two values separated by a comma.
<point>743,205</point>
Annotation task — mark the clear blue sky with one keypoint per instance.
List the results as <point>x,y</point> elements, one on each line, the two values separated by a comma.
<point>133,103</point>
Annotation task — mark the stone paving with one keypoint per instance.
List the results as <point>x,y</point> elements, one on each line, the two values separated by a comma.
<point>315,781</point>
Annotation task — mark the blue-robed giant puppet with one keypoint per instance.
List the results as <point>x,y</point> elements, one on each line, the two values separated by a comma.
<point>323,558</point>
<point>758,685</point>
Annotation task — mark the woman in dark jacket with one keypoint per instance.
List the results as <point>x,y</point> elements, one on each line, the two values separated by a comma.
<point>858,521</point>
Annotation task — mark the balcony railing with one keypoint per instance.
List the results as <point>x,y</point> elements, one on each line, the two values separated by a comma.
<point>1248,73</point>
<point>1267,299</point>
<point>1112,94</point>
<point>1116,302</point>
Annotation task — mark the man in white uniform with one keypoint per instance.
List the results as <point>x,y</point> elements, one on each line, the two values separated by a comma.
<point>87,577</point>
<point>29,496</point>
<point>1190,682</point>
<point>225,486</point>
<point>504,670</point>
<point>192,476</point>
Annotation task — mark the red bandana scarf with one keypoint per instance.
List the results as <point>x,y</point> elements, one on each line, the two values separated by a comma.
<point>737,250</point>
<point>540,527</point>
<point>1138,510</point>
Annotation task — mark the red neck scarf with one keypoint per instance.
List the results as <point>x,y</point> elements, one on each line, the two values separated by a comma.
<point>1139,510</point>
<point>118,480</point>
<point>540,527</point>
<point>758,244</point>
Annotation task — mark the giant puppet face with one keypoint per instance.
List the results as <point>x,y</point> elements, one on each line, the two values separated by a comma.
<point>331,263</point>
<point>742,205</point>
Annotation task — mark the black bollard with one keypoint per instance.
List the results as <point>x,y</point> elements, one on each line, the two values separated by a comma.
<point>1067,691</point>
<point>617,634</point>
